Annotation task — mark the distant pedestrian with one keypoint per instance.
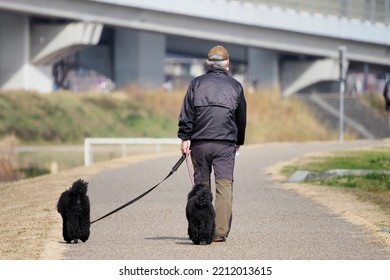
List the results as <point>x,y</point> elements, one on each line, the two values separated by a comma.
<point>386,95</point>
<point>60,73</point>
<point>213,118</point>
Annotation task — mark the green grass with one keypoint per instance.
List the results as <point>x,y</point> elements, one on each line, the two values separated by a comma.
<point>370,160</point>
<point>372,187</point>
<point>369,182</point>
<point>68,118</point>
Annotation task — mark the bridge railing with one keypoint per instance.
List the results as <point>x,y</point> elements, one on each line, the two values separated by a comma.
<point>365,10</point>
<point>88,142</point>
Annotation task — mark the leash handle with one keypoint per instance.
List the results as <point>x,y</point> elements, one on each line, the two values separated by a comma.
<point>179,162</point>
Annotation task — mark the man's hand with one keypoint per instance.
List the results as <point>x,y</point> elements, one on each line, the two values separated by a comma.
<point>185,147</point>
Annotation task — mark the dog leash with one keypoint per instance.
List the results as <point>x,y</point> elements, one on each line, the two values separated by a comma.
<point>190,169</point>
<point>174,168</point>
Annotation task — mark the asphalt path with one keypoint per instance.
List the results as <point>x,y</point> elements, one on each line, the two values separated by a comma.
<point>269,221</point>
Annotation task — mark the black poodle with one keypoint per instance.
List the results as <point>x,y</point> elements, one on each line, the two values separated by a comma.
<point>74,207</point>
<point>200,215</point>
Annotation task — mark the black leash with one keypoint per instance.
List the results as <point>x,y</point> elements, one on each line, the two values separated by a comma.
<point>174,168</point>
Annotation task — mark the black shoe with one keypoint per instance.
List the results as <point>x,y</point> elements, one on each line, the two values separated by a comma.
<point>219,239</point>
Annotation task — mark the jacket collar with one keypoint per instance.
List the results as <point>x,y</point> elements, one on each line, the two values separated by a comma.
<point>217,70</point>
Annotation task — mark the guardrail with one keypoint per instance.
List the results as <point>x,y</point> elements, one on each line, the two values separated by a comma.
<point>88,142</point>
<point>376,11</point>
<point>373,10</point>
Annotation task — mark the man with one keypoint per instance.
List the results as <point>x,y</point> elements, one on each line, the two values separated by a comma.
<point>213,118</point>
<point>386,95</point>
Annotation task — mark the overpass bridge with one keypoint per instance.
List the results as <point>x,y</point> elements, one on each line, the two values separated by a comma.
<point>128,40</point>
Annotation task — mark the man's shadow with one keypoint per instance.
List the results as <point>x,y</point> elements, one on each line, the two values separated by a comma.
<point>179,240</point>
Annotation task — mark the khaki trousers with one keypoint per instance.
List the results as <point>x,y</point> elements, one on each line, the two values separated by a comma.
<point>220,156</point>
<point>223,206</point>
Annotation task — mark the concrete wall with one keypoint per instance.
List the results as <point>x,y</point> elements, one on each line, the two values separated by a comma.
<point>14,52</point>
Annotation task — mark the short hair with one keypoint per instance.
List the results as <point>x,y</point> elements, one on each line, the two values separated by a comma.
<point>218,64</point>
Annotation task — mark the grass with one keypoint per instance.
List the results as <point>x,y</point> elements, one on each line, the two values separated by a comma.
<point>371,187</point>
<point>275,119</point>
<point>8,159</point>
<point>67,118</point>
<point>375,101</point>
<point>365,159</point>
<point>64,159</point>
<point>369,182</point>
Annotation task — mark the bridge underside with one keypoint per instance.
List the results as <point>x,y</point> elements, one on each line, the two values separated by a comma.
<point>134,42</point>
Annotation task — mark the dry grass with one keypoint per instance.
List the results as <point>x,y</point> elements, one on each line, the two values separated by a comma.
<point>8,159</point>
<point>272,118</point>
<point>28,214</point>
<point>29,222</point>
<point>159,101</point>
<point>134,112</point>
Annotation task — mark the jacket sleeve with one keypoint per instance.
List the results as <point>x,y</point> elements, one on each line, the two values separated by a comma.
<point>241,119</point>
<point>186,117</point>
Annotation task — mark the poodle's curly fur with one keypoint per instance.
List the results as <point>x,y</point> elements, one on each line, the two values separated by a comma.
<point>200,214</point>
<point>74,207</point>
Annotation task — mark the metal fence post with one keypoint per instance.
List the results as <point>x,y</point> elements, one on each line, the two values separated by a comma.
<point>343,72</point>
<point>87,152</point>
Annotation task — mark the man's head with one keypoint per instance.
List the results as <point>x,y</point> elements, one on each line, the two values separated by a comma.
<point>218,53</point>
<point>218,57</point>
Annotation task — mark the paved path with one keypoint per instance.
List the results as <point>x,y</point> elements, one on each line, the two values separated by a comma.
<point>269,222</point>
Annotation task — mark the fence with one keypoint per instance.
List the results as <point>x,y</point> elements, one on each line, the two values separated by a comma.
<point>88,142</point>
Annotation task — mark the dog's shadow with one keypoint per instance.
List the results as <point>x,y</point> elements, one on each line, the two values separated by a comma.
<point>179,240</point>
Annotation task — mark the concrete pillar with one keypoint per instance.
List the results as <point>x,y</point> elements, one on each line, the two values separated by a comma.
<point>263,68</point>
<point>97,58</point>
<point>16,72</point>
<point>138,58</point>
<point>14,52</point>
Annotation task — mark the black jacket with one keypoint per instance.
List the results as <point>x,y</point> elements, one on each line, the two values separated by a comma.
<point>386,95</point>
<point>214,108</point>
